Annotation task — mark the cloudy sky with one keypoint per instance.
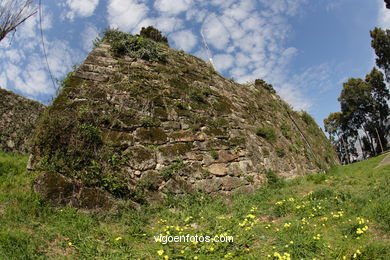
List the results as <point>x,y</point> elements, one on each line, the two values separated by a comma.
<point>306,49</point>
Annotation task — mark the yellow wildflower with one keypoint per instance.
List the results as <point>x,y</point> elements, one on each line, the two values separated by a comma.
<point>287,225</point>
<point>250,216</point>
<point>160,252</point>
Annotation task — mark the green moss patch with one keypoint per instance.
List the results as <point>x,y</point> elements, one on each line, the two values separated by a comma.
<point>178,149</point>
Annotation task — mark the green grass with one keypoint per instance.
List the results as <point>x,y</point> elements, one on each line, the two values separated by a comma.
<point>322,216</point>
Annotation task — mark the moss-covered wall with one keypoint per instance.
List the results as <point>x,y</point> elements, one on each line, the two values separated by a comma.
<point>138,125</point>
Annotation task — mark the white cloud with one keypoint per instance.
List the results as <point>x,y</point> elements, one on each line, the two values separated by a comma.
<point>3,81</point>
<point>163,23</point>
<point>295,98</point>
<point>168,24</point>
<point>33,81</point>
<point>223,61</point>
<point>61,58</point>
<point>126,15</point>
<point>241,10</point>
<point>184,39</point>
<point>216,33</point>
<point>222,3</point>
<point>23,62</point>
<point>196,15</point>
<point>384,16</point>
<point>172,6</point>
<point>84,8</point>
<point>89,35</point>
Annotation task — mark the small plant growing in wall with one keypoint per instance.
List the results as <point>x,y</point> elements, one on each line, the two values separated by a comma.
<point>170,171</point>
<point>250,179</point>
<point>267,133</point>
<point>285,130</point>
<point>150,122</point>
<point>214,155</point>
<point>280,152</point>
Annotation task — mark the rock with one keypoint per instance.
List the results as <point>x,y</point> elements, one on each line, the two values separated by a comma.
<point>229,183</point>
<point>10,144</point>
<point>173,151</point>
<point>56,188</point>
<point>177,186</point>
<point>30,163</point>
<point>209,186</point>
<point>60,190</point>
<point>141,158</point>
<point>171,125</point>
<point>245,166</point>
<point>151,135</point>
<point>225,156</point>
<point>234,169</point>
<point>93,198</point>
<point>218,169</point>
<point>152,179</point>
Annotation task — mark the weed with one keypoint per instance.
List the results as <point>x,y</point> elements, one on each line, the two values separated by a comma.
<point>170,171</point>
<point>267,132</point>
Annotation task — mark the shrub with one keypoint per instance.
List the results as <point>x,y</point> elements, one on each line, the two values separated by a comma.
<point>307,118</point>
<point>262,83</point>
<point>273,179</point>
<point>267,132</point>
<point>152,33</point>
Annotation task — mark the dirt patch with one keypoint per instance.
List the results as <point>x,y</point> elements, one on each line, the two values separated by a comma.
<point>385,161</point>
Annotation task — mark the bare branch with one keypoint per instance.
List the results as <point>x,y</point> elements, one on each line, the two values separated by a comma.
<point>13,13</point>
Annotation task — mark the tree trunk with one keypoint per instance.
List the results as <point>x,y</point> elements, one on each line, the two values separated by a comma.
<point>370,141</point>
<point>379,138</point>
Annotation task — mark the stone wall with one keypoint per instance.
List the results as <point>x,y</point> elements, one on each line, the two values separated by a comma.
<point>18,116</point>
<point>140,129</point>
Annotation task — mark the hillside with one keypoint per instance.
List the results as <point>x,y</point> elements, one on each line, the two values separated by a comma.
<point>343,214</point>
<point>18,116</point>
<point>139,120</point>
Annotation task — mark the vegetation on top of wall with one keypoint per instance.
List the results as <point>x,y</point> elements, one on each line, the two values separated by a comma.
<point>134,46</point>
<point>152,33</point>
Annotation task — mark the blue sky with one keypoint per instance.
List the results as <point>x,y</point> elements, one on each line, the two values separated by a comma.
<point>306,49</point>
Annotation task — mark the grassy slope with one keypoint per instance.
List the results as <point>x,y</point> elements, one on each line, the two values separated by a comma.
<point>310,217</point>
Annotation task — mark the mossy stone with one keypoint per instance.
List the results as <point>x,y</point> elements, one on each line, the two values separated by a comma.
<point>178,149</point>
<point>140,157</point>
<point>151,135</point>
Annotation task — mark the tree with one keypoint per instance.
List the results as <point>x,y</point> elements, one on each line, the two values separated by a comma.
<point>363,107</point>
<point>381,44</point>
<point>387,2</point>
<point>13,13</point>
<point>333,125</point>
<point>378,110</point>
<point>355,100</point>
